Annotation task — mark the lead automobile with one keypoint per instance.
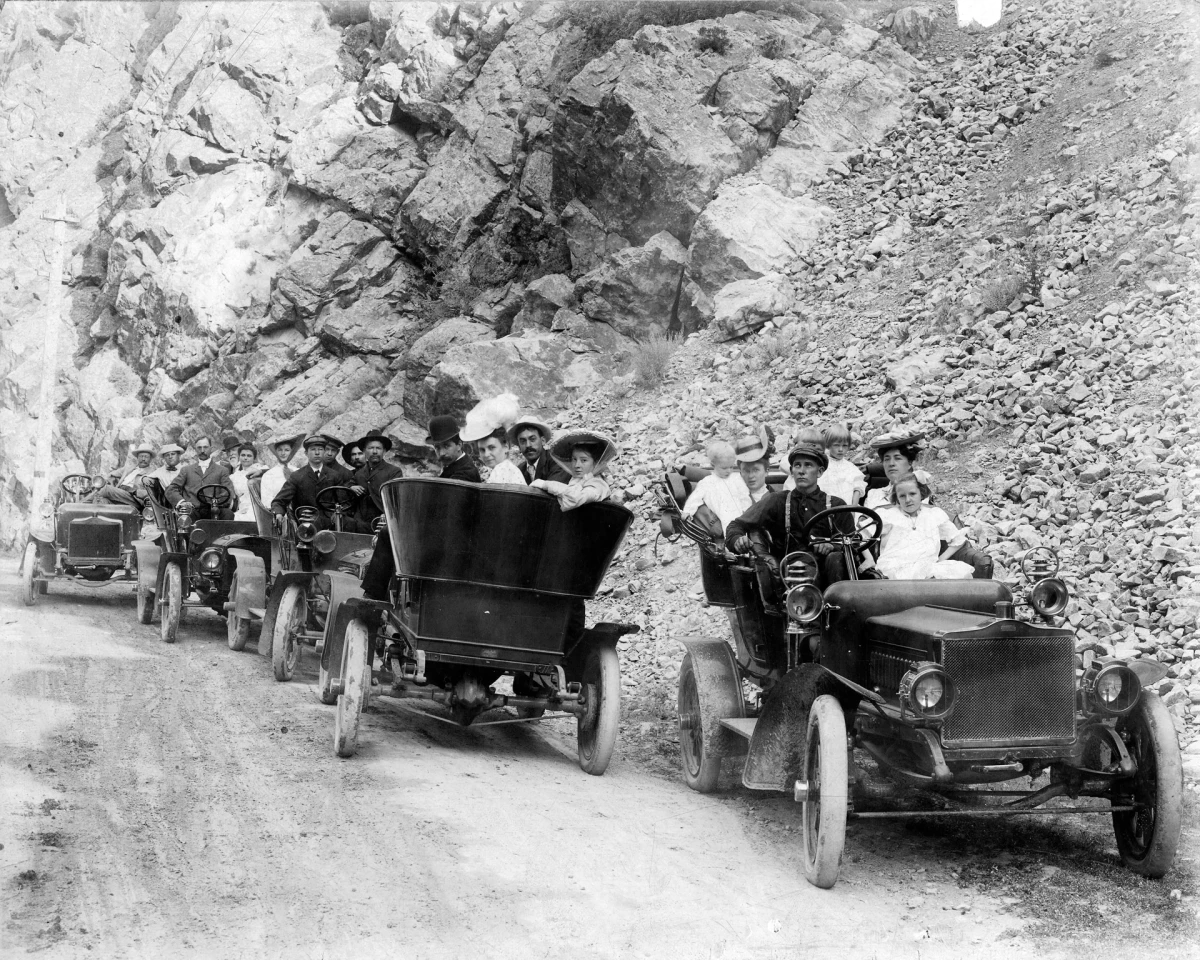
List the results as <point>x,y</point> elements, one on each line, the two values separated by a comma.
<point>939,684</point>
<point>76,540</point>
<point>490,580</point>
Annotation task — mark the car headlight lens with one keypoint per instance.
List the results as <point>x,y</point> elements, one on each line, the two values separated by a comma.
<point>927,691</point>
<point>210,561</point>
<point>1115,690</point>
<point>805,603</point>
<point>198,537</point>
<point>305,532</point>
<point>325,541</point>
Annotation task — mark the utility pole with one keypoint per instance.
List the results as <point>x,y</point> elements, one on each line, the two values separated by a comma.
<point>45,407</point>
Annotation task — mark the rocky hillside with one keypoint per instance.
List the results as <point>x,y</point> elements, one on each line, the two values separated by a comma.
<point>348,215</point>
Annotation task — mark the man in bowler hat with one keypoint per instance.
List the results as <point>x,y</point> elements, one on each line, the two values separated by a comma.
<point>448,445</point>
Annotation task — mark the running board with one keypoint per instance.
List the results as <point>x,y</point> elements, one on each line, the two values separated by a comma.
<point>743,727</point>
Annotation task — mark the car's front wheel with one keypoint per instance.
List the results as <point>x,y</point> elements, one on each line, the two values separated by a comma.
<point>1148,836</point>
<point>145,598</point>
<point>172,602</point>
<point>237,629</point>
<point>29,572</point>
<point>357,677</point>
<point>290,622</point>
<point>596,729</point>
<point>824,810</point>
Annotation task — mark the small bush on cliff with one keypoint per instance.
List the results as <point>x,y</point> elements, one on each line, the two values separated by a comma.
<point>652,361</point>
<point>714,39</point>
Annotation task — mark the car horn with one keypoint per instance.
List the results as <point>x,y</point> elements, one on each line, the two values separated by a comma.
<point>1049,595</point>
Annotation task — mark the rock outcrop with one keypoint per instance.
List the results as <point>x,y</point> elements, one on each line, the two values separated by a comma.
<point>344,216</point>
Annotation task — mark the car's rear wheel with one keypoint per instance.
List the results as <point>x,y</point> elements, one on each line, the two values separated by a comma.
<point>701,739</point>
<point>1148,837</point>
<point>290,621</point>
<point>354,694</point>
<point>145,599</point>
<point>826,770</point>
<point>29,572</point>
<point>596,728</point>
<point>172,602</point>
<point>237,629</point>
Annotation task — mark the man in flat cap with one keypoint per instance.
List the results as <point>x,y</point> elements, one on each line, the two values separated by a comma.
<point>304,485</point>
<point>530,435</point>
<point>206,470</point>
<point>368,479</point>
<point>129,490</point>
<point>448,445</point>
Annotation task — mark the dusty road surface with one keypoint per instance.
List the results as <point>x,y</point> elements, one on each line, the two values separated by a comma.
<point>175,801</point>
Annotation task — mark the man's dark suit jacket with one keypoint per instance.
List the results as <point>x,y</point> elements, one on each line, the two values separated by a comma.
<point>191,478</point>
<point>371,478</point>
<point>302,487</point>
<point>546,468</point>
<point>461,469</point>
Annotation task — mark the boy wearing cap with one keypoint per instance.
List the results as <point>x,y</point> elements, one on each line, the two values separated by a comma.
<point>302,488</point>
<point>129,490</point>
<point>783,515</point>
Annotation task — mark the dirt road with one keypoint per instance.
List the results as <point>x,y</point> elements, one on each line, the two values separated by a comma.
<point>176,801</point>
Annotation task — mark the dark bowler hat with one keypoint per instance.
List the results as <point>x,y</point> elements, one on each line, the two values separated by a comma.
<point>442,429</point>
<point>363,441</point>
<point>809,451</point>
<point>231,442</point>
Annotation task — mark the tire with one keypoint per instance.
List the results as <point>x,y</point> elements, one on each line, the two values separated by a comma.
<point>172,602</point>
<point>698,740</point>
<point>145,600</point>
<point>350,703</point>
<point>29,567</point>
<point>285,648</point>
<point>596,729</point>
<point>826,768</point>
<point>1147,838</point>
<point>237,629</point>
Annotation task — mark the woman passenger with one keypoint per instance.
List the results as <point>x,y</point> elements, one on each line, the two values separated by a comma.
<point>753,464</point>
<point>898,453</point>
<point>492,451</point>
<point>585,454</point>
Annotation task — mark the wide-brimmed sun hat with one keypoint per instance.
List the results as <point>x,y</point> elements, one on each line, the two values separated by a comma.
<point>293,441</point>
<point>808,451</point>
<point>525,422</point>
<point>442,429</point>
<point>749,449</point>
<point>563,444</point>
<point>170,448</point>
<point>897,438</point>
<point>142,448</point>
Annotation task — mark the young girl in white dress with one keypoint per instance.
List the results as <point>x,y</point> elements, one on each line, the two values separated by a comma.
<point>585,454</point>
<point>912,536</point>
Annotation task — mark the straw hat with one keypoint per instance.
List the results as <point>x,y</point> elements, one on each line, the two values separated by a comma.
<point>293,441</point>
<point>749,449</point>
<point>561,448</point>
<point>170,448</point>
<point>534,422</point>
<point>142,448</point>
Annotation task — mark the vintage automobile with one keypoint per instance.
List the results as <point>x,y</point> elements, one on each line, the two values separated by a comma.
<point>938,690</point>
<point>490,580</point>
<point>291,591</point>
<point>76,540</point>
<point>193,562</point>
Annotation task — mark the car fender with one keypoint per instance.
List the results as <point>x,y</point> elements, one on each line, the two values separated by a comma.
<point>251,585</point>
<point>719,687</point>
<point>601,635</point>
<point>164,559</point>
<point>278,586</point>
<point>148,553</point>
<point>775,757</point>
<point>352,608</point>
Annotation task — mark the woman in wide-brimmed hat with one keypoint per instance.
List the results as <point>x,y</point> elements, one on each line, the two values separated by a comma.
<point>586,454</point>
<point>897,451</point>
<point>487,427</point>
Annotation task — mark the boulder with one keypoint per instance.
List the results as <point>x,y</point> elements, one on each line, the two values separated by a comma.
<point>428,350</point>
<point>750,230</point>
<point>544,297</point>
<point>926,365</point>
<point>635,290</point>
<point>379,320</point>
<point>544,371</point>
<point>911,26</point>
<point>745,305</point>
<point>590,244</point>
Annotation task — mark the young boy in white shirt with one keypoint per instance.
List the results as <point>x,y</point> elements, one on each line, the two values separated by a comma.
<point>722,496</point>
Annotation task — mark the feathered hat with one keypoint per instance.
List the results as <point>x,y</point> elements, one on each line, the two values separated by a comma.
<point>490,415</point>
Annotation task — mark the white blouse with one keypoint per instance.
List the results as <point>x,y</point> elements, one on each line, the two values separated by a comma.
<point>728,498</point>
<point>506,472</point>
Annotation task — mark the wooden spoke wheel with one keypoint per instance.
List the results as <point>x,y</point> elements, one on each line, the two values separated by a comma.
<point>29,572</point>
<point>290,621</point>
<point>596,728</point>
<point>172,602</point>
<point>1148,837</point>
<point>826,769</point>
<point>145,598</point>
<point>350,704</point>
<point>237,629</point>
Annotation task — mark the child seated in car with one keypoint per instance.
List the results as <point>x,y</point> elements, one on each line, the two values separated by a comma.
<point>585,454</point>
<point>913,533</point>
<point>722,496</point>
<point>842,478</point>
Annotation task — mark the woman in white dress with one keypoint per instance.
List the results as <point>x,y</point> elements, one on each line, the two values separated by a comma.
<point>493,454</point>
<point>247,470</point>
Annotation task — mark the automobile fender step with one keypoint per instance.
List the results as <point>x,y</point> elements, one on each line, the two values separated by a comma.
<point>742,726</point>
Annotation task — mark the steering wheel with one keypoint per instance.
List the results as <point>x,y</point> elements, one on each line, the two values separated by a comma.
<point>337,500</point>
<point>858,539</point>
<point>76,484</point>
<point>214,495</point>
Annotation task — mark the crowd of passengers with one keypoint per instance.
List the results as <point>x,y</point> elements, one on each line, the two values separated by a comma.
<point>733,504</point>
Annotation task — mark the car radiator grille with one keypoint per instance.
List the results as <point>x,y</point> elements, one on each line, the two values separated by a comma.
<point>1010,689</point>
<point>93,539</point>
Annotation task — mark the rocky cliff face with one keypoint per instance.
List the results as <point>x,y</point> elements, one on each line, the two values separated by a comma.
<point>350,215</point>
